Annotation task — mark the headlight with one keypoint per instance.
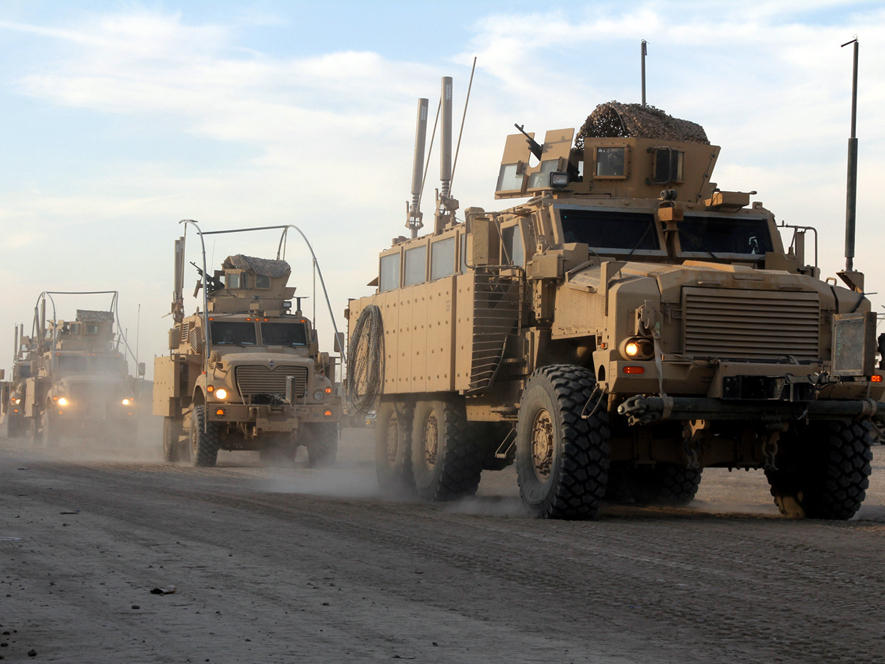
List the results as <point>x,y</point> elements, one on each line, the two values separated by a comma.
<point>637,348</point>
<point>63,401</point>
<point>15,401</point>
<point>318,395</point>
<point>221,393</point>
<point>128,402</point>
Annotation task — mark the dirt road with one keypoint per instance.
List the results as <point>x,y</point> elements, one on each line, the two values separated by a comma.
<point>296,565</point>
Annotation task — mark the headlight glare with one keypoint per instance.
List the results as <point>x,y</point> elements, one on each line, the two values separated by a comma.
<point>221,393</point>
<point>127,401</point>
<point>63,401</point>
<point>637,348</point>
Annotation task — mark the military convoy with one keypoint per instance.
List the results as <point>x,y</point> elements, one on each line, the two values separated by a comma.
<point>245,372</point>
<point>628,325</point>
<point>70,378</point>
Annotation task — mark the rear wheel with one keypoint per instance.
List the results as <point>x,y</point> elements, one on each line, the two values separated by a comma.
<point>823,470</point>
<point>393,432</point>
<point>446,461</point>
<point>171,432</point>
<point>203,443</point>
<point>321,439</point>
<point>562,459</point>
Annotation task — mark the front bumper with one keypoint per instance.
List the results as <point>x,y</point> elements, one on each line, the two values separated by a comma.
<point>647,409</point>
<point>274,418</point>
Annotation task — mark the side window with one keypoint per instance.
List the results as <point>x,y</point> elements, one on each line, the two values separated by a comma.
<point>91,329</point>
<point>442,258</point>
<point>232,280</point>
<point>513,249</point>
<point>669,165</point>
<point>611,162</point>
<point>416,266</point>
<point>389,277</point>
<point>262,281</point>
<point>463,253</point>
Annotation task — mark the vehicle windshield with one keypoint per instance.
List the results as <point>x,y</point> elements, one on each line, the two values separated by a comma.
<point>283,334</point>
<point>82,364</point>
<point>232,334</point>
<point>72,364</point>
<point>725,235</point>
<point>610,229</point>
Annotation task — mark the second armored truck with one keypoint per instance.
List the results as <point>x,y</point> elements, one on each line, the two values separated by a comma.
<point>630,324</point>
<point>246,373</point>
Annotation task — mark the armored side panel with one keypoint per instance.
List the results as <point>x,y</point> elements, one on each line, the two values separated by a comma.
<point>166,386</point>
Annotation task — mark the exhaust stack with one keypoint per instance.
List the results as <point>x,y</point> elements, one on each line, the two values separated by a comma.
<point>414,221</point>
<point>853,278</point>
<point>177,297</point>
<point>445,138</point>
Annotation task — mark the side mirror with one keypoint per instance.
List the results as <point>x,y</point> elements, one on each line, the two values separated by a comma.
<point>338,343</point>
<point>141,370</point>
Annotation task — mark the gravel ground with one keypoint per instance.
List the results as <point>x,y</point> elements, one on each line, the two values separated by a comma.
<point>300,565</point>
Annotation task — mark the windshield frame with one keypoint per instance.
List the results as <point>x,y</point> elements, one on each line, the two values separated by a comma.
<point>614,251</point>
<point>727,255</point>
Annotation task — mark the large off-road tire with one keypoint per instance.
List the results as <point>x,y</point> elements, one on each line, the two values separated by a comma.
<point>49,431</point>
<point>659,484</point>
<point>321,440</point>
<point>393,434</point>
<point>204,444</point>
<point>562,460</point>
<point>171,445</point>
<point>823,469</point>
<point>446,460</point>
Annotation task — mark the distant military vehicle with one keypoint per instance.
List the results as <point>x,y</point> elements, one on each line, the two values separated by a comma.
<point>70,377</point>
<point>246,372</point>
<point>12,392</point>
<point>627,326</point>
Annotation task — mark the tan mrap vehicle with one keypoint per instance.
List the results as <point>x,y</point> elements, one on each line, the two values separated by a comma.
<point>246,373</point>
<point>631,324</point>
<point>71,377</point>
<point>12,392</point>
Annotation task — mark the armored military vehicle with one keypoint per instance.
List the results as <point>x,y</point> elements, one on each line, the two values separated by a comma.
<point>628,325</point>
<point>12,392</point>
<point>70,377</point>
<point>246,372</point>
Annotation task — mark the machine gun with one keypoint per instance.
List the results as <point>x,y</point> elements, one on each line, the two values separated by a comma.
<point>213,283</point>
<point>534,146</point>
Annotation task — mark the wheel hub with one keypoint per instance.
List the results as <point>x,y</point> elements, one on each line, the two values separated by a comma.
<point>542,444</point>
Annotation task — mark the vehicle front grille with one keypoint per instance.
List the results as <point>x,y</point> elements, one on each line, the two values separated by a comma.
<point>258,380</point>
<point>751,324</point>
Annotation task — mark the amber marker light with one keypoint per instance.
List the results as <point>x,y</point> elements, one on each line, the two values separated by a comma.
<point>876,378</point>
<point>210,389</point>
<point>328,390</point>
<point>219,411</point>
<point>327,413</point>
<point>633,371</point>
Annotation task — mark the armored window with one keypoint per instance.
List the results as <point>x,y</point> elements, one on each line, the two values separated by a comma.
<point>283,334</point>
<point>262,281</point>
<point>668,165</point>
<point>232,334</point>
<point>514,253</point>
<point>510,178</point>
<point>442,258</point>
<point>541,179</point>
<point>416,266</point>
<point>389,277</point>
<point>70,364</point>
<point>232,280</point>
<point>611,162</point>
<point>726,235</point>
<point>91,329</point>
<point>610,230</point>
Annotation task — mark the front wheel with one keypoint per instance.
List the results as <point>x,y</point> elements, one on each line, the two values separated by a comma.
<point>823,470</point>
<point>203,443</point>
<point>321,440</point>
<point>562,459</point>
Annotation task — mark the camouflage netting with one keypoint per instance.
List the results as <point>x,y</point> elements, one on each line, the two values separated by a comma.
<point>92,316</point>
<point>261,266</point>
<point>614,119</point>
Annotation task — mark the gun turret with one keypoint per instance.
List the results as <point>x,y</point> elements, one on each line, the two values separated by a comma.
<point>213,283</point>
<point>534,146</point>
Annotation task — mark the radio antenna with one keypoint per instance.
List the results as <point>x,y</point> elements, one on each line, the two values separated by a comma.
<point>463,117</point>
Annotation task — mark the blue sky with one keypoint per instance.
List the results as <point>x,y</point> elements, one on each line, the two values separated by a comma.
<point>122,117</point>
